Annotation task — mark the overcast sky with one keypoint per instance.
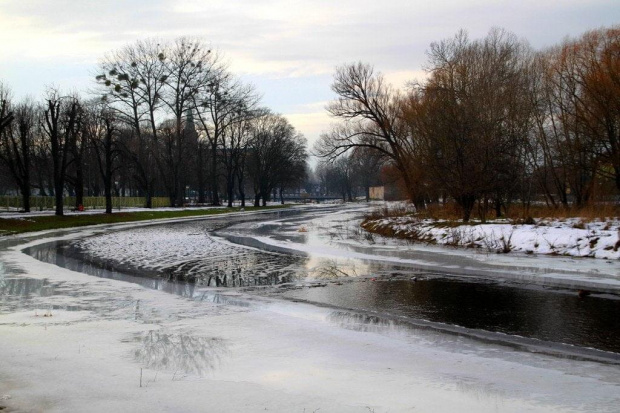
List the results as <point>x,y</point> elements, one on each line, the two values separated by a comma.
<point>287,48</point>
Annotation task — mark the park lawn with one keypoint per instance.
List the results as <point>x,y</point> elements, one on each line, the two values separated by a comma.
<point>41,223</point>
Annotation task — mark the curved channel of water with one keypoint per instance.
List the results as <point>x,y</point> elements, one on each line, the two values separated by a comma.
<point>552,315</point>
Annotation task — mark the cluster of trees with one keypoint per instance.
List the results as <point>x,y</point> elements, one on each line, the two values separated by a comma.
<point>344,175</point>
<point>166,119</point>
<point>494,121</point>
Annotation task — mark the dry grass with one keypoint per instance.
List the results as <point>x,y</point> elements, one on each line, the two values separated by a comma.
<point>593,212</point>
<point>397,210</point>
<point>516,213</point>
<point>447,212</point>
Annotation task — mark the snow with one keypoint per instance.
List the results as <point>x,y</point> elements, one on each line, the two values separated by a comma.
<point>115,346</point>
<point>570,237</point>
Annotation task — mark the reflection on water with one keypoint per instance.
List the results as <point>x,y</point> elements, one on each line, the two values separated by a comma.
<point>25,287</point>
<point>362,322</point>
<point>536,313</point>
<point>20,289</point>
<point>181,353</point>
<point>16,292</point>
<point>210,297</point>
<point>329,269</point>
<point>239,270</point>
<point>481,391</point>
<point>53,253</point>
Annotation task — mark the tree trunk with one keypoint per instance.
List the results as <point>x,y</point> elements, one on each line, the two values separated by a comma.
<point>26,196</point>
<point>108,196</point>
<point>498,208</point>
<point>215,198</point>
<point>107,181</point>
<point>230,190</point>
<point>26,189</point>
<point>466,202</point>
<point>79,188</point>
<point>241,189</point>
<point>58,194</point>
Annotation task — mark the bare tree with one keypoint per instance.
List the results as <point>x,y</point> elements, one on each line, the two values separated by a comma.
<point>340,175</point>
<point>6,116</point>
<point>598,105</point>
<point>16,142</point>
<point>366,167</point>
<point>62,124</point>
<point>472,114</point>
<point>132,82</point>
<point>276,156</point>
<point>372,117</point>
<point>214,109</point>
<point>189,62</point>
<point>101,126</point>
<point>225,120</point>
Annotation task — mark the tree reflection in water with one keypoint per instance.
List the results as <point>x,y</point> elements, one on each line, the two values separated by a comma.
<point>180,352</point>
<point>361,322</point>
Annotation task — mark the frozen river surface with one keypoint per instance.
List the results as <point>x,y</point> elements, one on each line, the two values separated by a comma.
<point>193,252</point>
<point>386,345</point>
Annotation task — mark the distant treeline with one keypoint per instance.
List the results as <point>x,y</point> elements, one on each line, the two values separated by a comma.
<point>494,122</point>
<point>164,119</point>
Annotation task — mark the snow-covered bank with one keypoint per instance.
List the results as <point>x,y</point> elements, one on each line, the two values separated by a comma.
<point>569,237</point>
<point>198,355</point>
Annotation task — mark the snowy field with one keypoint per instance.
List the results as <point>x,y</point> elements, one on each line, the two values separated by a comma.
<point>569,237</point>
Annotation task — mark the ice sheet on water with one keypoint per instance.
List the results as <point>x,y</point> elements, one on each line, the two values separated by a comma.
<point>187,252</point>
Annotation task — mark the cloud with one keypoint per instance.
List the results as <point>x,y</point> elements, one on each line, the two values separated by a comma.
<point>311,124</point>
<point>278,38</point>
<point>287,48</point>
<point>400,78</point>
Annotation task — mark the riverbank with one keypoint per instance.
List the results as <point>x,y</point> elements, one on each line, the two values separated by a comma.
<point>120,346</point>
<point>572,237</point>
<point>16,224</point>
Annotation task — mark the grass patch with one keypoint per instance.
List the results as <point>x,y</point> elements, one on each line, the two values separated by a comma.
<point>42,223</point>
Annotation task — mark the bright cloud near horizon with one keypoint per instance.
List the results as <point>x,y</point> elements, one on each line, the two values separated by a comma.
<point>288,49</point>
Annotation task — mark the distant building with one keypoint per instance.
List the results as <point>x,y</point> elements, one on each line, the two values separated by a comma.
<point>377,193</point>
